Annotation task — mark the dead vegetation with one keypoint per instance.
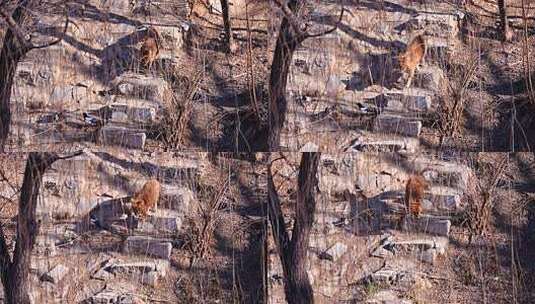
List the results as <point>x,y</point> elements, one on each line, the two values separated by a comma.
<point>481,196</point>
<point>175,124</point>
<point>453,99</point>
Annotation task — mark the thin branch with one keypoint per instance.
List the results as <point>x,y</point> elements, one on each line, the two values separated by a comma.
<point>59,38</point>
<point>23,38</point>
<point>290,16</point>
<point>334,28</point>
<point>302,33</point>
<point>74,154</point>
<point>4,178</point>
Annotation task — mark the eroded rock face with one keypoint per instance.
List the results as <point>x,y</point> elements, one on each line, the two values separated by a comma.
<point>122,137</point>
<point>75,187</point>
<point>148,246</point>
<point>142,86</point>
<point>386,123</point>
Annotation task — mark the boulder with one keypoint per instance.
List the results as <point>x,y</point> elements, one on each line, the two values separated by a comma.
<point>56,274</point>
<point>429,78</point>
<point>124,137</point>
<point>142,86</point>
<point>148,246</point>
<point>336,251</point>
<point>386,123</point>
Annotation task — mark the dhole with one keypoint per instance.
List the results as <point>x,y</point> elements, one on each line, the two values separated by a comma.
<point>150,48</point>
<point>146,198</point>
<point>414,192</point>
<point>412,57</point>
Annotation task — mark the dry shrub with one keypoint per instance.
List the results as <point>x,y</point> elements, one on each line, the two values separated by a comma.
<point>200,237</point>
<point>177,115</point>
<point>481,193</point>
<point>466,269</point>
<point>453,99</point>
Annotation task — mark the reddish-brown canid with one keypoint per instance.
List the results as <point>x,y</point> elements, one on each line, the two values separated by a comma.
<point>414,193</point>
<point>146,198</point>
<point>150,49</point>
<point>412,57</point>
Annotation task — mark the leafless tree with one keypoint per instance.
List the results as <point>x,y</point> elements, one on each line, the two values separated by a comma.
<point>17,43</point>
<point>292,33</point>
<point>14,271</point>
<point>507,35</point>
<point>229,40</point>
<point>293,252</point>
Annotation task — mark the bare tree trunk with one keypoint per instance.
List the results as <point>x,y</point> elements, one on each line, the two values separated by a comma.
<point>287,43</point>
<point>291,35</point>
<point>12,52</point>
<point>293,253</point>
<point>504,24</point>
<point>229,40</point>
<point>16,45</point>
<point>14,273</point>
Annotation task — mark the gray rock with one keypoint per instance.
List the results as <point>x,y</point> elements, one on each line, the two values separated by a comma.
<point>438,49</point>
<point>336,251</point>
<point>444,199</point>
<point>439,244</point>
<point>102,273</point>
<point>45,245</point>
<point>387,297</point>
<point>56,274</point>
<point>430,78</point>
<point>439,23</point>
<point>166,223</point>
<point>127,138</point>
<point>334,86</point>
<point>88,289</point>
<point>385,276</point>
<point>177,198</point>
<point>70,94</point>
<point>386,123</point>
<point>150,278</point>
<point>428,256</point>
<point>444,173</point>
<point>309,147</point>
<point>409,101</point>
<point>157,265</point>
<point>434,225</point>
<point>111,296</point>
<point>127,113</point>
<point>142,86</point>
<point>172,36</point>
<point>378,144</point>
<point>148,246</point>
<point>336,184</point>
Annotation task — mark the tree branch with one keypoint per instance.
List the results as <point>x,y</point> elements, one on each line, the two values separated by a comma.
<point>23,38</point>
<point>59,38</point>
<point>302,33</point>
<point>290,16</point>
<point>334,28</point>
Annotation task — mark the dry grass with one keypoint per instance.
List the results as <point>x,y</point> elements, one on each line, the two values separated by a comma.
<point>213,188</point>
<point>175,123</point>
<point>453,99</point>
<point>481,193</point>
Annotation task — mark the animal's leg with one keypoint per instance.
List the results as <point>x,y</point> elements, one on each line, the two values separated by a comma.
<point>409,81</point>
